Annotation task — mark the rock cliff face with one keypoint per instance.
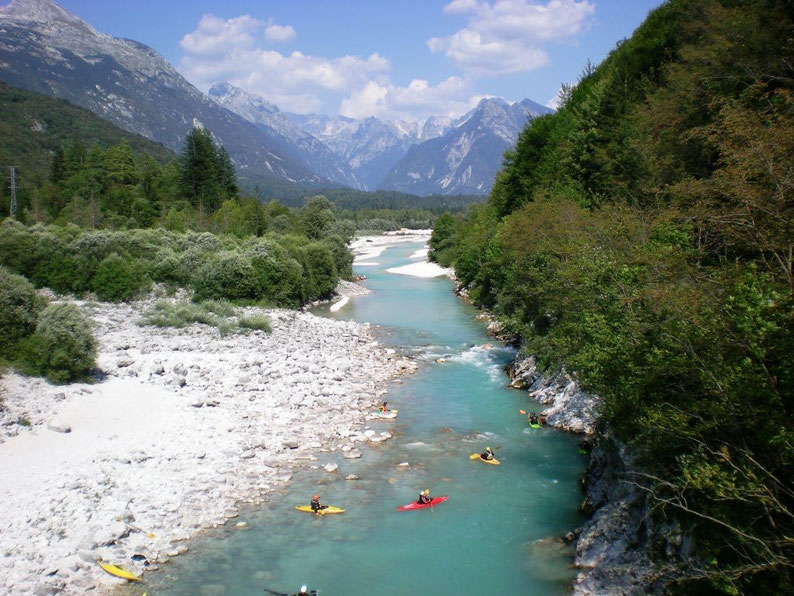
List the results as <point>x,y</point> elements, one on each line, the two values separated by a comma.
<point>617,549</point>
<point>570,408</point>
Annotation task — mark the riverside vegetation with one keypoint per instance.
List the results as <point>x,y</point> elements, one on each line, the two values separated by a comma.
<point>643,237</point>
<point>261,254</point>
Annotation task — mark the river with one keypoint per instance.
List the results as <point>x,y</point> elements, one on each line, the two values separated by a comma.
<point>498,533</point>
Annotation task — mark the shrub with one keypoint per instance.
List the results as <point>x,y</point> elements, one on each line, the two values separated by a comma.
<point>280,278</point>
<point>17,247</point>
<point>62,347</point>
<point>19,309</point>
<point>260,322</point>
<point>229,276</point>
<point>321,270</point>
<point>118,279</point>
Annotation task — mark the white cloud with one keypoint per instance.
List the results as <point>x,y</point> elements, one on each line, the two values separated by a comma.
<point>215,36</point>
<point>224,50</point>
<point>236,51</point>
<point>280,33</point>
<point>506,37</point>
<point>416,100</point>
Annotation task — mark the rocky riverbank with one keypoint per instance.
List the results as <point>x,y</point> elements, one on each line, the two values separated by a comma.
<point>183,426</point>
<point>613,546</point>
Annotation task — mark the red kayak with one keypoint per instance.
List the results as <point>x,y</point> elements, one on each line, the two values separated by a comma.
<point>434,501</point>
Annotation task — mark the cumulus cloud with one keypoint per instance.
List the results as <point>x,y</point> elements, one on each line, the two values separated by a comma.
<point>225,50</point>
<point>506,37</point>
<point>416,100</point>
<point>280,33</point>
<point>215,36</point>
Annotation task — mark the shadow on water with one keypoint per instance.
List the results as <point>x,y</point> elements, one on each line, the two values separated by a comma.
<point>498,533</point>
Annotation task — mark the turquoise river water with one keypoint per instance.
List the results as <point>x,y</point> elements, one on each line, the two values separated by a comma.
<point>498,533</point>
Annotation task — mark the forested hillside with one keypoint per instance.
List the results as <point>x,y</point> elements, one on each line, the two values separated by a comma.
<point>34,126</point>
<point>643,237</point>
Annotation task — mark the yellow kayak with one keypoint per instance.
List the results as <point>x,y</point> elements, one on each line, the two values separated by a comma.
<point>119,572</point>
<point>493,462</point>
<point>326,511</point>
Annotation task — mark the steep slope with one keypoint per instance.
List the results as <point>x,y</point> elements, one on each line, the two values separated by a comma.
<point>33,126</point>
<point>306,149</point>
<point>45,49</point>
<point>641,238</point>
<point>466,158</point>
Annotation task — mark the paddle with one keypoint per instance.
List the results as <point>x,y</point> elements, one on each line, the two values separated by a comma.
<point>275,593</point>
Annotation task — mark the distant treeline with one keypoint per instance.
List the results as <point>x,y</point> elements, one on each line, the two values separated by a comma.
<point>75,167</point>
<point>643,237</point>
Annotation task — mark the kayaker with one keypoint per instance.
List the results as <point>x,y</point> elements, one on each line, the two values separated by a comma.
<point>316,507</point>
<point>424,497</point>
<point>487,454</point>
<point>533,418</point>
<point>384,407</point>
<point>543,420</point>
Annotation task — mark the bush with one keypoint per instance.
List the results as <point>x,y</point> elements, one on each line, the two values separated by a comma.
<point>229,276</point>
<point>320,269</point>
<point>62,347</point>
<point>19,309</point>
<point>118,279</point>
<point>260,322</point>
<point>280,278</point>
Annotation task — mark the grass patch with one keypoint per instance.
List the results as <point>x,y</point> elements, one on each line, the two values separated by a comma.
<point>259,322</point>
<point>215,313</point>
<point>182,314</point>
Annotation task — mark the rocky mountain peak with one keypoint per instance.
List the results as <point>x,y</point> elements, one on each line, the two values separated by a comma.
<point>39,11</point>
<point>226,93</point>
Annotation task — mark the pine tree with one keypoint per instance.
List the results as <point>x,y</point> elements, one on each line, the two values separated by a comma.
<point>200,176</point>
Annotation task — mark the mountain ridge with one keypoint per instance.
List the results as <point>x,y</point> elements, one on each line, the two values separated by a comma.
<point>48,50</point>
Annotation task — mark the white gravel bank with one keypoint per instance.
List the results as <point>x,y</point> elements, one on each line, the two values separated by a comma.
<point>185,426</point>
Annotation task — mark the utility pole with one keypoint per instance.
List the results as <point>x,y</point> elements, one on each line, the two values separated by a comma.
<point>13,210</point>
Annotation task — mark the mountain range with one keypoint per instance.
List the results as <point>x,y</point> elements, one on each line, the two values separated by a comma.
<point>46,49</point>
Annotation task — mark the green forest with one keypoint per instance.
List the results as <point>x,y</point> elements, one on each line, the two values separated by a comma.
<point>643,237</point>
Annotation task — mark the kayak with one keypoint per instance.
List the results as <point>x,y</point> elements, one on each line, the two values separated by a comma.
<point>119,572</point>
<point>533,424</point>
<point>493,462</point>
<point>387,415</point>
<point>433,502</point>
<point>328,510</point>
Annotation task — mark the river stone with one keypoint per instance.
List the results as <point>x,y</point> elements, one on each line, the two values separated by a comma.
<point>331,467</point>
<point>59,426</point>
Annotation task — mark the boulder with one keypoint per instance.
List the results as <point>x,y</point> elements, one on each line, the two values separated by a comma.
<point>59,426</point>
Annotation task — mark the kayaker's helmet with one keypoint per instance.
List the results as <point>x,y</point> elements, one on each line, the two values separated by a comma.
<point>426,492</point>
<point>304,589</point>
<point>487,448</point>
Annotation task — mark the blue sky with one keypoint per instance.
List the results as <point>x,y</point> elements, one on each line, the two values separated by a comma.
<point>398,59</point>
